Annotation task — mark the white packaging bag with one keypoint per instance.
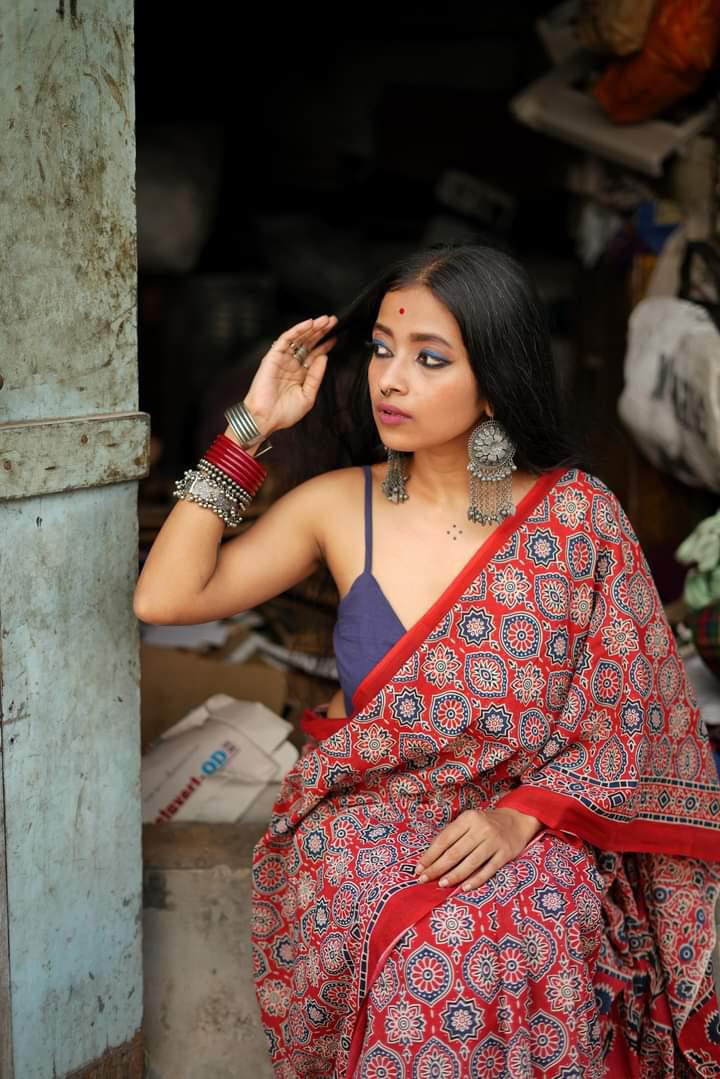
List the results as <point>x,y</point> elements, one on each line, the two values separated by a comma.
<point>671,398</point>
<point>213,764</point>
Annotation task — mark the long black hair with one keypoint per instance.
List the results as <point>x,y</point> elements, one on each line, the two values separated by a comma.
<point>503,327</point>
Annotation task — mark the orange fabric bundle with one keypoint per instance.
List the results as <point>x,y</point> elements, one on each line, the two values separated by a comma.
<point>679,50</point>
<point>617,27</point>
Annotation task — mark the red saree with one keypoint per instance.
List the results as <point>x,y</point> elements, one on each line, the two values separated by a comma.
<point>545,678</point>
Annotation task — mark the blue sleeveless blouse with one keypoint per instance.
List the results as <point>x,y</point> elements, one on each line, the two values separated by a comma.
<point>367,627</point>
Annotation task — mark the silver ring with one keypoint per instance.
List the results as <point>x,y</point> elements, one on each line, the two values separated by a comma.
<point>305,365</point>
<point>299,352</point>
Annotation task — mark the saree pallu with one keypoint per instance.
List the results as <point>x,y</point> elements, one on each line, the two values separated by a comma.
<point>545,679</point>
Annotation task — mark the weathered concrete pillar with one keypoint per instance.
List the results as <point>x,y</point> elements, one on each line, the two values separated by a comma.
<point>71,446</point>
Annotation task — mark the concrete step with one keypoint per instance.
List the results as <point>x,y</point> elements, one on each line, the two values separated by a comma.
<point>201,1017</point>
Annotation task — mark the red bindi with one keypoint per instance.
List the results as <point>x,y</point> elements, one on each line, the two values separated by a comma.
<point>401,311</point>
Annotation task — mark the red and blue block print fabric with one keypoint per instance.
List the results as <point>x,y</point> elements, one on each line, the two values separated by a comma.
<point>545,678</point>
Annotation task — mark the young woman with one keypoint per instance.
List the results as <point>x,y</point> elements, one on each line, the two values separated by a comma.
<point>495,857</point>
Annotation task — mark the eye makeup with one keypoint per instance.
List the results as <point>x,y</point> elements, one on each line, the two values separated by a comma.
<point>438,361</point>
<point>381,350</point>
<point>374,346</point>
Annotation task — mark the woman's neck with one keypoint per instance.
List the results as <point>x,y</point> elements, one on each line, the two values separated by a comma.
<point>439,475</point>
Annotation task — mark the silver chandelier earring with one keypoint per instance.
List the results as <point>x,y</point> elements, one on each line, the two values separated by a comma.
<point>393,486</point>
<point>491,465</point>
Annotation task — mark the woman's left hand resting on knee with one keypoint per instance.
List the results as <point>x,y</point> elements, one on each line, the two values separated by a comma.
<point>471,849</point>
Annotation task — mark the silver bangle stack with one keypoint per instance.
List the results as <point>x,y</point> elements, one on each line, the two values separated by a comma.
<point>208,486</point>
<point>227,477</point>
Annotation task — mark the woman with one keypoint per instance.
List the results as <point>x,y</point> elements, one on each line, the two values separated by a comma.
<point>495,857</point>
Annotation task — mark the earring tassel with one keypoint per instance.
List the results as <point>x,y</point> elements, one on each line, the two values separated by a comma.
<point>393,486</point>
<point>491,466</point>
<point>490,499</point>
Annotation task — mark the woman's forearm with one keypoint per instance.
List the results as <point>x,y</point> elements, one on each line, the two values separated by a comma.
<point>184,557</point>
<point>181,562</point>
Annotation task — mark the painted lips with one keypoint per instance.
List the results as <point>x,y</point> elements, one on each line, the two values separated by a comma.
<point>389,415</point>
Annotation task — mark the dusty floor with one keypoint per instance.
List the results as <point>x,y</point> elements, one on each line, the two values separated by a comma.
<point>201,1018</point>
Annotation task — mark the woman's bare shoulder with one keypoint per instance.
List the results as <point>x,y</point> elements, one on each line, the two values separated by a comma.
<point>325,497</point>
<point>338,483</point>
<point>333,502</point>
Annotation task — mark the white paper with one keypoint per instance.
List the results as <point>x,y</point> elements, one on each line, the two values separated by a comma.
<point>215,762</point>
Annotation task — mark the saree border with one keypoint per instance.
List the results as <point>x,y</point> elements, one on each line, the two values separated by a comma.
<point>391,927</point>
<point>637,836</point>
<point>391,663</point>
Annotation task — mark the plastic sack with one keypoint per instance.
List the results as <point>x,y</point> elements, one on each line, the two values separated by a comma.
<point>214,763</point>
<point>671,398</point>
<point>679,50</point>
<point>614,26</point>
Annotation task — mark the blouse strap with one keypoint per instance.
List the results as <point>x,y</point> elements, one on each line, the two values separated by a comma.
<point>368,519</point>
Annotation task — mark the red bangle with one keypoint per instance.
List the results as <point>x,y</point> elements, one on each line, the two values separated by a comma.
<point>239,476</point>
<point>239,465</point>
<point>232,450</point>
<point>242,462</point>
<point>223,442</point>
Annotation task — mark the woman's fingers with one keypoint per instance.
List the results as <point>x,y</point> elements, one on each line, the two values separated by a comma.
<point>314,364</point>
<point>314,377</point>
<point>324,343</point>
<point>469,850</point>
<point>295,333</point>
<point>449,859</point>
<point>478,856</point>
<point>319,350</point>
<point>466,852</point>
<point>316,341</point>
<point>289,375</point>
<point>475,869</point>
<point>444,839</point>
<point>306,333</point>
<point>483,875</point>
<point>314,368</point>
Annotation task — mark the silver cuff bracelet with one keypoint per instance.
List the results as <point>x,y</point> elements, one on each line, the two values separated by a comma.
<point>242,424</point>
<point>207,490</point>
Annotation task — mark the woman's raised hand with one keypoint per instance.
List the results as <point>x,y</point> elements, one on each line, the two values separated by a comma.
<point>289,376</point>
